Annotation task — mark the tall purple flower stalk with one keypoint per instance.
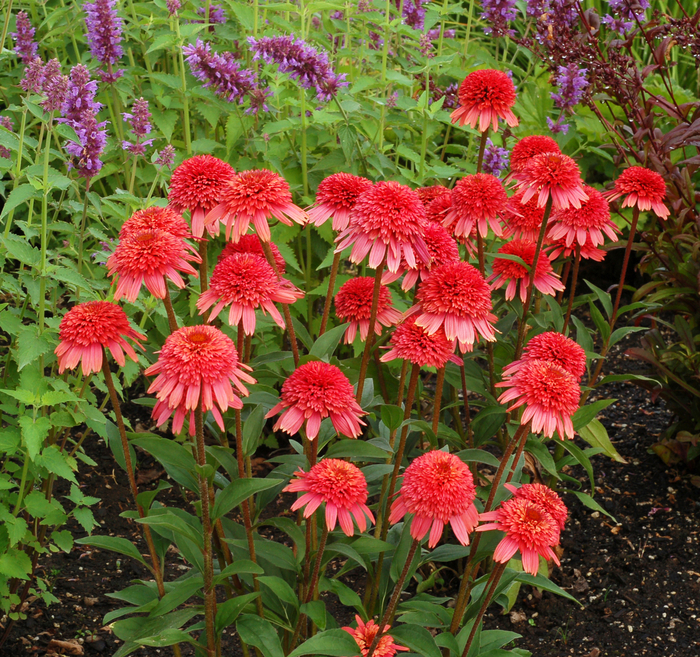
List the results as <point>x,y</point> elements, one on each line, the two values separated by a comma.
<point>572,84</point>
<point>140,123</point>
<point>628,11</point>
<point>495,159</point>
<point>34,76</point>
<point>25,45</point>
<point>413,13</point>
<point>54,86</point>
<point>104,34</point>
<point>85,153</point>
<point>216,14</point>
<point>166,157</point>
<point>498,13</point>
<point>220,72</point>
<point>6,122</point>
<point>304,63</point>
<point>80,96</point>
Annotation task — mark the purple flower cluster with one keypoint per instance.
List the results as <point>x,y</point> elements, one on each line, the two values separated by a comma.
<point>140,123</point>
<point>309,66</point>
<point>216,14</point>
<point>572,84</point>
<point>498,13</point>
<point>495,160</point>
<point>25,46</point>
<point>173,6</point>
<point>33,80</point>
<point>166,157</point>
<point>257,97</point>
<point>629,11</point>
<point>554,17</point>
<point>80,96</point>
<point>413,14</point>
<point>220,72</point>
<point>6,122</point>
<point>434,34</point>
<point>104,35</point>
<point>557,126</point>
<point>426,46</point>
<point>85,154</point>
<point>54,86</point>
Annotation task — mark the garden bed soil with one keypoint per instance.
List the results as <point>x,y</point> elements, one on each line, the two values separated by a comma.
<point>637,576</point>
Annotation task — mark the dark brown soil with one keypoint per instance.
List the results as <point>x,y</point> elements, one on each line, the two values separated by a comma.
<point>637,577</point>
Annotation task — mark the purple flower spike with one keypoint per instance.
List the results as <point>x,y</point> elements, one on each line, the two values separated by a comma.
<point>498,13</point>
<point>54,87</point>
<point>557,126</point>
<point>572,84</point>
<point>413,14</point>
<point>166,158</point>
<point>220,72</point>
<point>34,76</point>
<point>104,34</point>
<point>495,159</point>
<point>25,46</point>
<point>140,122</point>
<point>216,14</point>
<point>81,94</point>
<point>173,6</point>
<point>258,97</point>
<point>85,155</point>
<point>309,66</point>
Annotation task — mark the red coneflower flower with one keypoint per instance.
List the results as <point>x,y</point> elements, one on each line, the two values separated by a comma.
<point>336,197</point>
<point>387,220</point>
<point>528,147</point>
<point>436,210</point>
<point>196,185</point>
<point>545,498</point>
<point>484,97</point>
<point>588,251</point>
<point>550,393</point>
<point>245,282</point>
<point>529,529</point>
<point>585,224</point>
<point>156,218</point>
<point>250,243</point>
<point>341,485</point>
<point>523,220</point>
<point>437,489</point>
<point>644,188</point>
<point>364,636</point>
<point>552,174</point>
<point>479,199</point>
<point>314,391</point>
<point>197,364</point>
<point>554,348</point>
<point>413,343</point>
<point>353,304</point>
<point>88,327</point>
<point>428,194</point>
<point>442,249</point>
<point>149,256</point>
<point>546,281</point>
<point>456,297</point>
<point>256,195</point>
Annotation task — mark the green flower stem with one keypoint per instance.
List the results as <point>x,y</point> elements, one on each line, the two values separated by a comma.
<point>6,24</point>
<point>531,281</point>
<point>572,291</point>
<point>370,337</point>
<point>304,165</point>
<point>445,5</point>
<point>18,171</point>
<point>424,130</point>
<point>329,294</point>
<point>285,307</point>
<point>391,608</point>
<point>209,592</point>
<point>82,227</point>
<point>183,82</point>
<point>44,225</point>
<point>465,401</point>
<point>467,36</point>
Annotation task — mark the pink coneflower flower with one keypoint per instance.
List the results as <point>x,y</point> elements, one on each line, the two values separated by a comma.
<point>150,256</point>
<point>552,174</point>
<point>314,391</point>
<point>528,147</point>
<point>89,327</point>
<point>336,197</point>
<point>428,194</point>
<point>250,243</point>
<point>545,498</point>
<point>353,304</point>
<point>197,365</point>
<point>246,282</point>
<point>364,635</point>
<point>551,396</point>
<point>341,485</point>
<point>442,249</point>
<point>156,218</point>
<point>436,210</point>
<point>484,97</point>
<point>196,185</point>
<point>529,529</point>
<point>513,273</point>
<point>479,199</point>
<point>644,188</point>
<point>256,195</point>
<point>585,224</point>
<point>413,343</point>
<point>554,348</point>
<point>387,220</point>
<point>523,220</point>
<point>437,489</point>
<point>588,251</point>
<point>456,297</point>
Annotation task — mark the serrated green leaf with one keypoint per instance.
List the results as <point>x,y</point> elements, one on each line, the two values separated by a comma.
<point>15,564</point>
<point>17,196</point>
<point>34,433</point>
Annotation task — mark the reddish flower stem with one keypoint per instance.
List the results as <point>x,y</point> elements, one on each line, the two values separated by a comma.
<point>285,307</point>
<point>370,336</point>
<point>465,400</point>
<point>572,291</point>
<point>172,319</point>
<point>438,399</point>
<point>329,294</point>
<point>531,281</point>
